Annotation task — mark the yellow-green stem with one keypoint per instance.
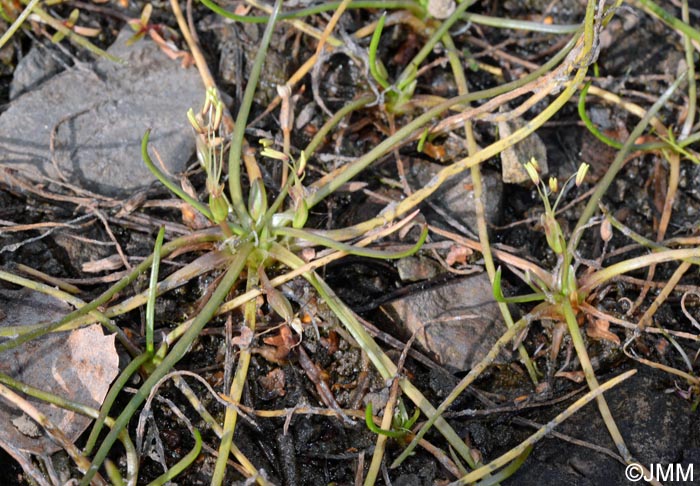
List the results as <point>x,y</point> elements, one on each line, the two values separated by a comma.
<point>472,149</point>
<point>407,204</point>
<point>238,382</point>
<point>591,379</point>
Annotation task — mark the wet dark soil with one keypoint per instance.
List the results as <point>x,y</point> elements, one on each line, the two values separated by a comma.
<point>654,410</point>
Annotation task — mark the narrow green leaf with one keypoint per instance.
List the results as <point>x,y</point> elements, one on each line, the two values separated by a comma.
<point>182,464</point>
<point>378,71</point>
<point>167,182</point>
<point>369,420</point>
<point>153,291</point>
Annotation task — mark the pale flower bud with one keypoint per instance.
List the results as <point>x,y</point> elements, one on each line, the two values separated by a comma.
<point>531,170</point>
<point>581,174</point>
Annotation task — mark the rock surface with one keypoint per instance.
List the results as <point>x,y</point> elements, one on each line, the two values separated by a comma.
<point>37,66</point>
<point>515,157</point>
<point>454,200</point>
<point>99,115</point>
<point>658,428</point>
<point>462,321</point>
<point>416,268</point>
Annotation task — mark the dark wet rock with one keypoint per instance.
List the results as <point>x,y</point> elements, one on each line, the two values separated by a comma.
<point>15,249</point>
<point>441,382</point>
<point>657,428</point>
<point>454,200</point>
<point>288,463</point>
<point>408,480</point>
<point>80,251</point>
<point>417,473</point>
<point>491,438</point>
<point>461,319</point>
<point>99,116</point>
<point>37,66</point>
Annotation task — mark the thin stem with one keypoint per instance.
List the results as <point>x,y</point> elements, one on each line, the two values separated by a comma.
<point>383,433</point>
<point>114,391</point>
<point>316,9</point>
<point>692,86</point>
<point>591,379</point>
<point>238,383</point>
<point>234,161</point>
<point>152,291</point>
<point>54,432</point>
<point>408,75</point>
<point>75,38</point>
<point>109,293</point>
<point>373,46</point>
<point>95,315</point>
<point>407,204</point>
<point>380,360</point>
<point>661,14</point>
<point>515,24</point>
<point>196,52</point>
<point>472,149</point>
<point>320,135</point>
<point>330,183</point>
<point>18,22</point>
<point>473,374</point>
<point>350,249</point>
<point>174,188</point>
<point>182,464</point>
<point>598,278</point>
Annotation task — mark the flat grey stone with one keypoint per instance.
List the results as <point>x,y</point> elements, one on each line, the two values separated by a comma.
<point>461,321</point>
<point>37,66</point>
<point>100,115</point>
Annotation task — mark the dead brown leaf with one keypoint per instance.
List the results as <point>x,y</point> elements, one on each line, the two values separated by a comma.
<point>458,254</point>
<point>600,329</point>
<point>244,339</point>
<point>284,341</point>
<point>273,384</point>
<point>575,376</point>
